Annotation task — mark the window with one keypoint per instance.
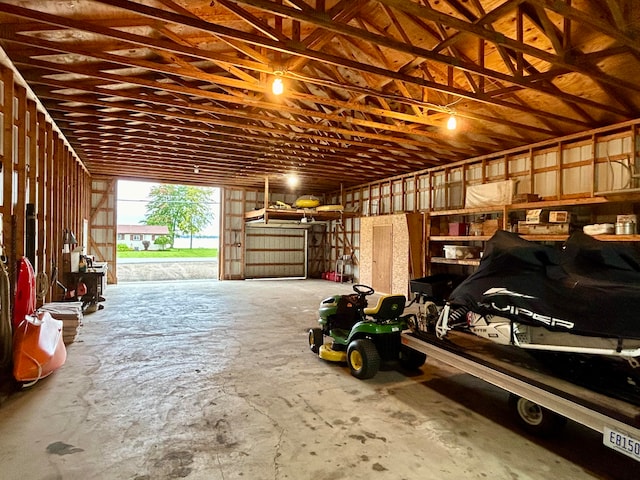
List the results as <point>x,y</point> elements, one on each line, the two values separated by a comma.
<point>136,237</point>
<point>121,236</point>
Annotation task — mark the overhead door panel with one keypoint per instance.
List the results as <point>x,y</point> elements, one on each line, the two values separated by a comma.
<point>275,252</point>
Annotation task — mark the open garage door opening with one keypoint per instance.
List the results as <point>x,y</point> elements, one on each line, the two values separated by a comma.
<point>167,232</point>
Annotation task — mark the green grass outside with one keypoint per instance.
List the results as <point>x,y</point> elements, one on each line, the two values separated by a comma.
<point>170,253</point>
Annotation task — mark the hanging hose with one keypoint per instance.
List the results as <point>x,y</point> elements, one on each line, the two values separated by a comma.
<point>42,287</point>
<point>6,337</point>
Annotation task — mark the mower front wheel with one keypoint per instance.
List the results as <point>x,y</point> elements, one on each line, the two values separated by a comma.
<point>363,358</point>
<point>411,359</point>
<point>316,339</point>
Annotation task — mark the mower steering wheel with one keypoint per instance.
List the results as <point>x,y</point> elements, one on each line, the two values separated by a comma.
<point>363,290</point>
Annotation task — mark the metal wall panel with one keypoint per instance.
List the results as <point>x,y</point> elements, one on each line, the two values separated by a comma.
<point>275,252</point>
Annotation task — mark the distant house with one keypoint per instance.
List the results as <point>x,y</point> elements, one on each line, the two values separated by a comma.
<point>134,235</point>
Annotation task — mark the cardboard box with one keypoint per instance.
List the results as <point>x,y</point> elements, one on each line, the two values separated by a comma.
<point>457,229</point>
<point>526,197</point>
<point>491,226</point>
<point>476,229</point>
<point>534,216</point>
<point>559,216</point>
<point>525,228</point>
<point>627,219</point>
<point>549,229</point>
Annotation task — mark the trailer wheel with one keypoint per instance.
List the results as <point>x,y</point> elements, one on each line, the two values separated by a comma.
<point>316,339</point>
<point>535,419</point>
<point>363,358</point>
<point>411,359</point>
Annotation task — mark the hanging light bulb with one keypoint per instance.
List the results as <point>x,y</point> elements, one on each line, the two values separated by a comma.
<point>277,87</point>
<point>292,180</point>
<point>452,123</point>
<point>196,169</point>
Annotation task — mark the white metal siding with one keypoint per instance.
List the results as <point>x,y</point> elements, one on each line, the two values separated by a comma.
<point>275,252</point>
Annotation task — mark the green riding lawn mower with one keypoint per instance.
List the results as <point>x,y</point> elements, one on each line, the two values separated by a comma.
<point>364,337</point>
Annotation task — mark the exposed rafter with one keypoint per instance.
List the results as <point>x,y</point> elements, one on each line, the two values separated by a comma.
<point>147,89</point>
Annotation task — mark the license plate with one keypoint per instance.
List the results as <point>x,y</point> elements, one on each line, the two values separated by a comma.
<point>622,442</point>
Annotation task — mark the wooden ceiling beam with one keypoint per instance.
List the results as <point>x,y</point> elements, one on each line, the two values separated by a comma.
<point>204,154</point>
<point>293,49</point>
<point>234,113</point>
<point>197,123</point>
<point>611,30</point>
<point>233,141</point>
<point>373,38</point>
<point>97,71</point>
<point>222,137</point>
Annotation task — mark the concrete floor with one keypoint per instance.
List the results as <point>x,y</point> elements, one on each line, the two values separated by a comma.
<point>214,380</point>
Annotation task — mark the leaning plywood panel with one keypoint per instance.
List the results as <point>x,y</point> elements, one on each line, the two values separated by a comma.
<point>102,234</point>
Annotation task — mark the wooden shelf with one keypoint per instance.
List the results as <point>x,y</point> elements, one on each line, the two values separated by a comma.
<point>617,238</point>
<point>461,238</point>
<point>435,242</point>
<point>572,202</point>
<point>520,206</point>
<point>545,238</point>
<point>474,262</point>
<point>291,214</point>
<point>535,238</point>
<point>468,211</point>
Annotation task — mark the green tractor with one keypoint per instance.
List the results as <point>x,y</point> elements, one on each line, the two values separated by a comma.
<point>363,336</point>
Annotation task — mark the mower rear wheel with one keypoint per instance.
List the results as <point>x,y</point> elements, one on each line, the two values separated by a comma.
<point>316,339</point>
<point>363,358</point>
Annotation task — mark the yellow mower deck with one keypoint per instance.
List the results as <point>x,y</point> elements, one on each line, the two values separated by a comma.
<point>327,353</point>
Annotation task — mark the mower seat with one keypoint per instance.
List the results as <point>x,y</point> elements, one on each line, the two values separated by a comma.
<point>388,307</point>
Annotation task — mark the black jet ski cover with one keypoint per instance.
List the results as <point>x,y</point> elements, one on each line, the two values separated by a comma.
<point>589,287</point>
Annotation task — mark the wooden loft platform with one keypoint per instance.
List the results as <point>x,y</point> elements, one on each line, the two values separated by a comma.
<point>265,215</point>
<point>291,216</point>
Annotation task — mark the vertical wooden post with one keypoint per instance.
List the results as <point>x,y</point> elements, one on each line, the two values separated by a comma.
<point>42,227</point>
<point>7,164</point>
<point>21,170</point>
<point>560,174</point>
<point>49,212</point>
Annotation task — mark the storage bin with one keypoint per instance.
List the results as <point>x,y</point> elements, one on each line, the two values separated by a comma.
<point>458,252</point>
<point>435,287</point>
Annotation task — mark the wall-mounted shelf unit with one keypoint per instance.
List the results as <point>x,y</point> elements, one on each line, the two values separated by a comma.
<point>581,211</point>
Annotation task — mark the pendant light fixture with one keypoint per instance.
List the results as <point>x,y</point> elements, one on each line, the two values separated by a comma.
<point>277,87</point>
<point>452,123</point>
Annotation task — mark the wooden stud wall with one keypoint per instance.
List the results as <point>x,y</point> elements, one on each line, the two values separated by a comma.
<point>39,168</point>
<point>543,166</point>
<point>444,187</point>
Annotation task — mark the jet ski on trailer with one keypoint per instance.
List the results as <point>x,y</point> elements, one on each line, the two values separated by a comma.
<point>583,299</point>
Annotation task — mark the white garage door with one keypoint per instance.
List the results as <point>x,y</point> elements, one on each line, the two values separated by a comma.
<point>272,252</point>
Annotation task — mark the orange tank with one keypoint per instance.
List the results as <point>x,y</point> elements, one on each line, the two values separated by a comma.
<point>38,346</point>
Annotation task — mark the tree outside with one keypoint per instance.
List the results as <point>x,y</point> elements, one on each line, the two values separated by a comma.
<point>162,241</point>
<point>183,209</point>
